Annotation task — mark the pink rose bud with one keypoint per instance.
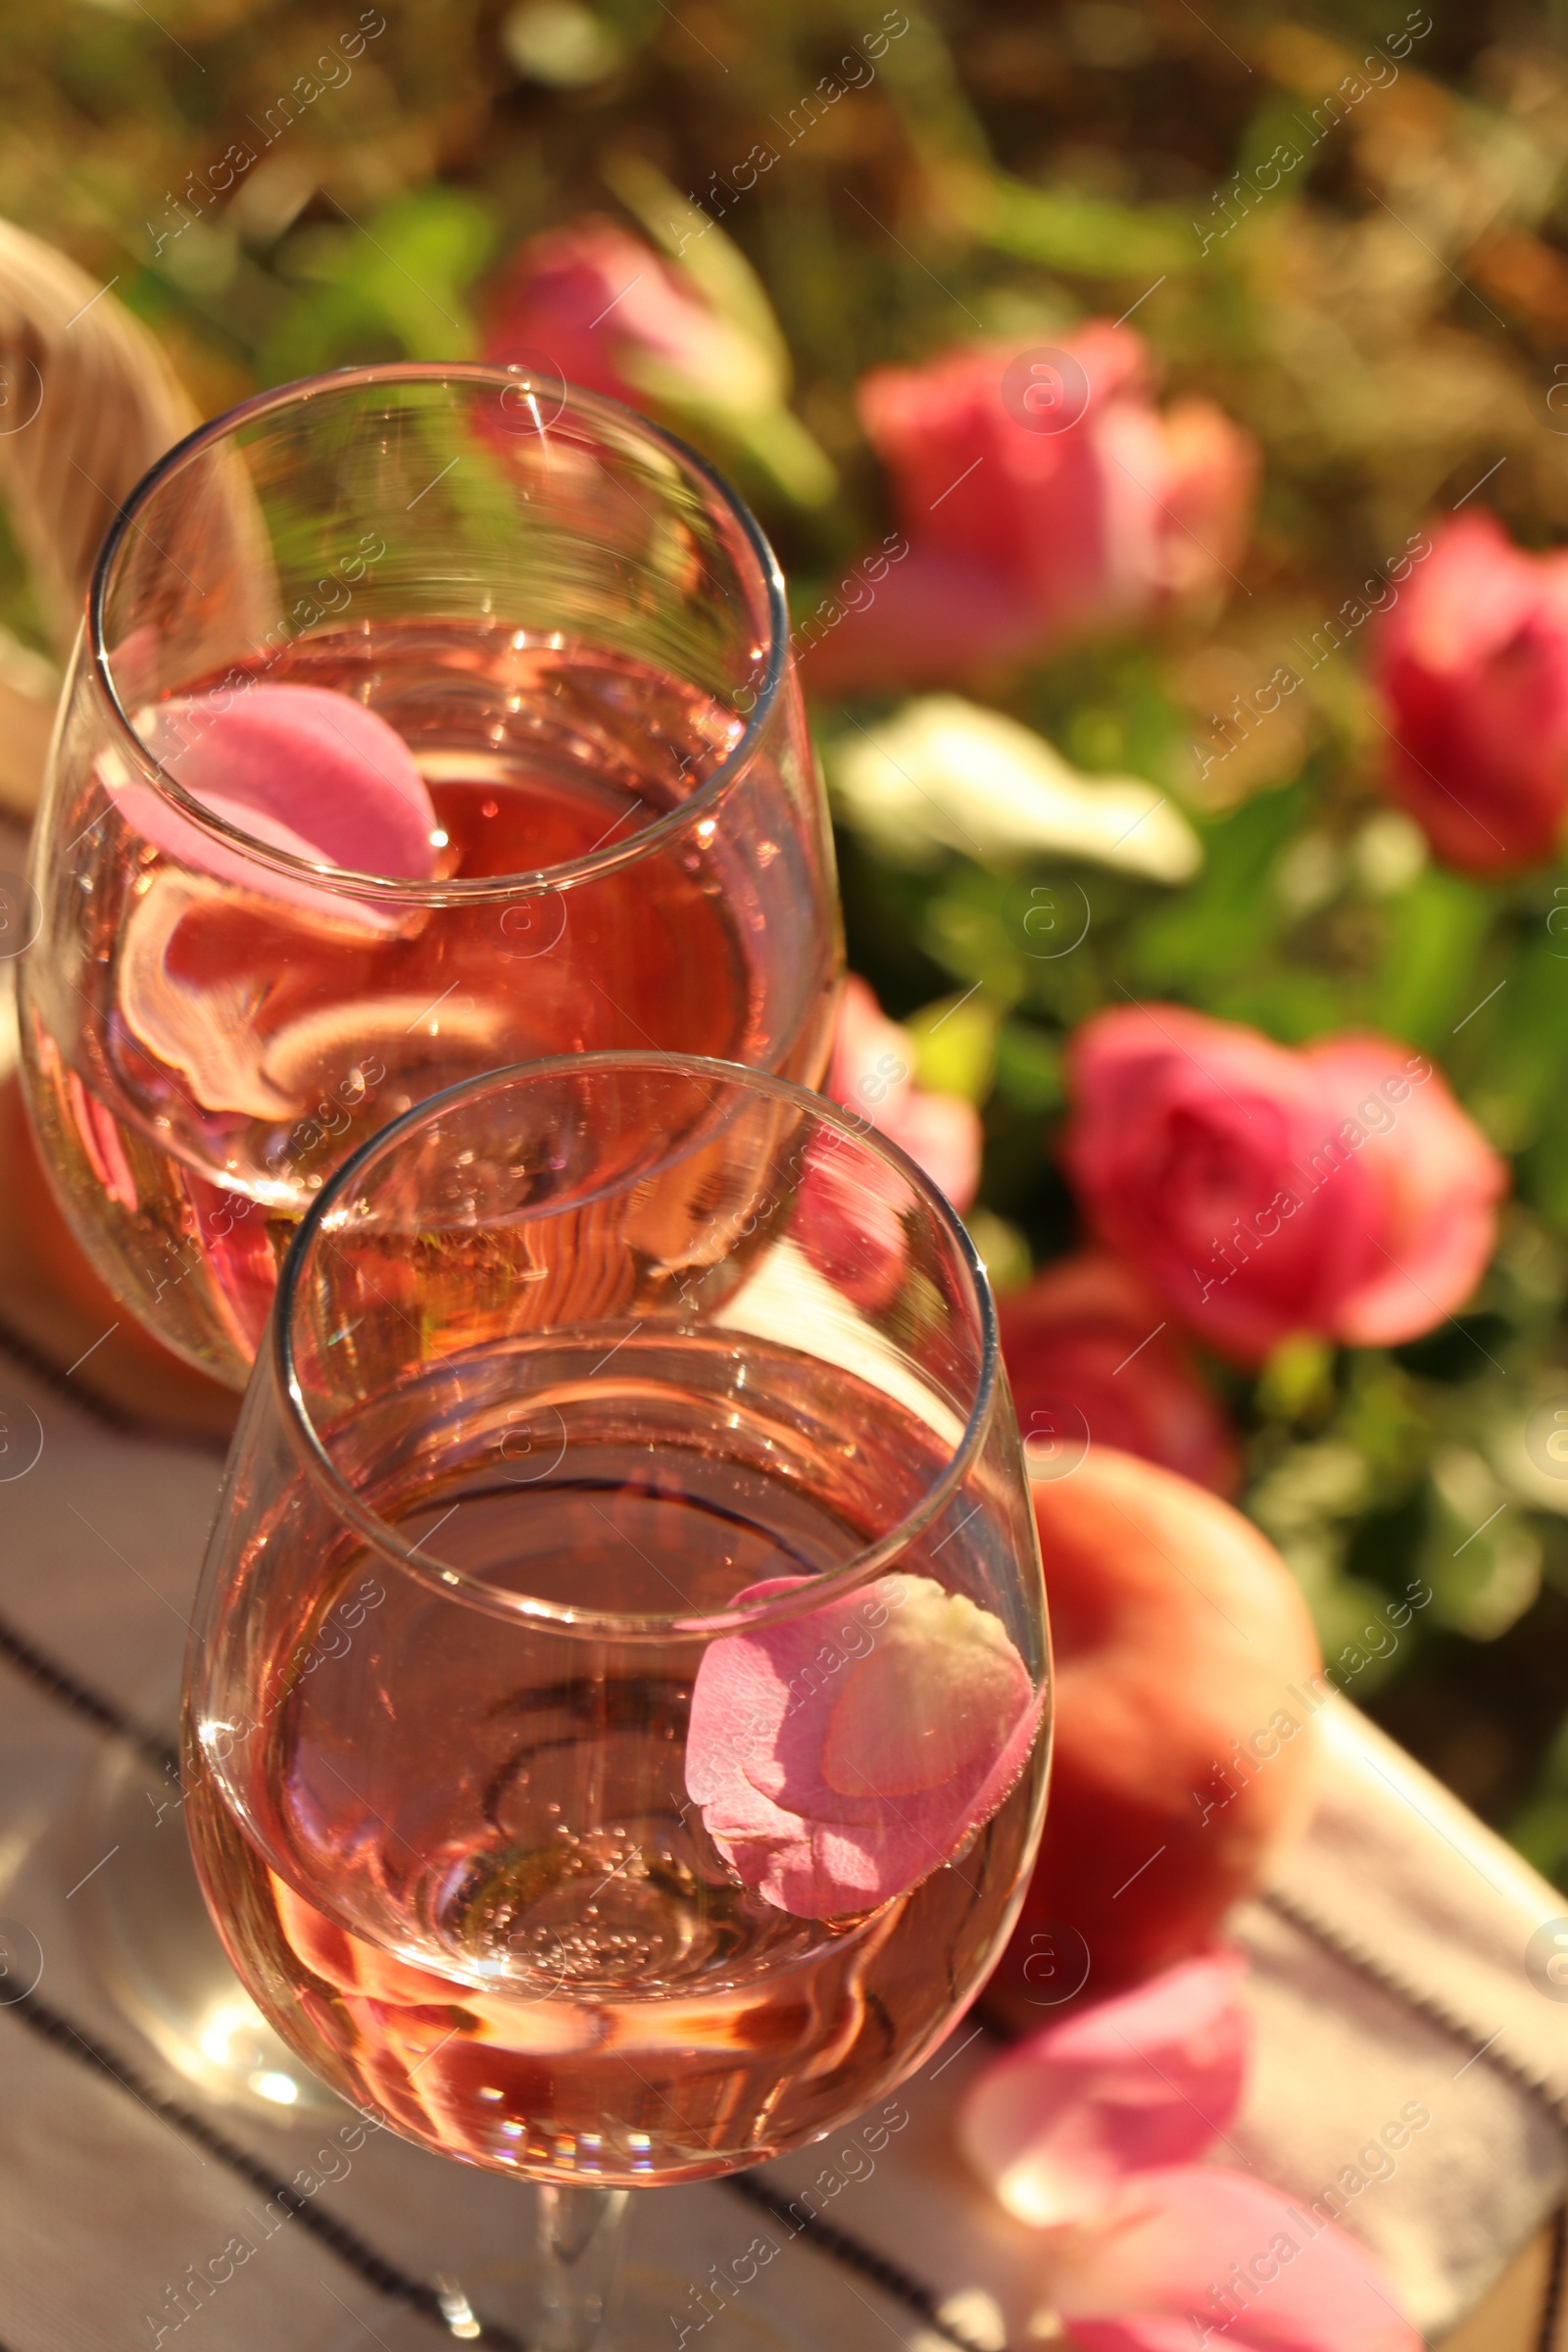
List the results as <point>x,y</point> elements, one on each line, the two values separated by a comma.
<point>841,1756</point>
<point>1263,1191</point>
<point>1019,537</point>
<point>602,309</point>
<point>1471,661</point>
<point>1058,2125</point>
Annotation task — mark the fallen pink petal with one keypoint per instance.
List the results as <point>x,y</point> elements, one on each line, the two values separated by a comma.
<point>1148,2080</point>
<point>841,1756</point>
<point>1199,2257</point>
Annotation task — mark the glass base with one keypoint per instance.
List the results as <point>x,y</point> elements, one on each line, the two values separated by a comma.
<point>158,1953</point>
<point>649,2310</point>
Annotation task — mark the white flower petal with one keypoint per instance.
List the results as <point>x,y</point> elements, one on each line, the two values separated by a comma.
<point>946,773</point>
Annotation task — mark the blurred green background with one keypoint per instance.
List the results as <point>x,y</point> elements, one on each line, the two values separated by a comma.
<point>1390,326</point>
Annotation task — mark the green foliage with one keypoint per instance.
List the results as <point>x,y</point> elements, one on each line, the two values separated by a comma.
<point>1224,924</point>
<point>1540,1828</point>
<point>1082,234</point>
<point>394,287</point>
<point>1429,958</point>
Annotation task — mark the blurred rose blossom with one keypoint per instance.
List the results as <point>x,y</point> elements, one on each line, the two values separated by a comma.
<point>1472,665</point>
<point>1085,1335</point>
<point>1022,537</point>
<point>1263,1191</point>
<point>604,308</point>
<point>600,308</point>
<point>871,1073</point>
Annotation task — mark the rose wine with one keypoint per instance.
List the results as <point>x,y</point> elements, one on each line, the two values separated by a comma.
<point>218,1051</point>
<point>454,1854</point>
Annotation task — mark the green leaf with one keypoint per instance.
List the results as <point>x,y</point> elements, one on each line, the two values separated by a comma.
<point>1028,1067</point>
<point>1517,1046</point>
<point>1003,1250</point>
<point>712,260</point>
<point>1482,1557</point>
<point>1427,979</point>
<point>394,285</point>
<point>769,434</point>
<point>1086,236</point>
<point>1227,919</point>
<point>1296,1382</point>
<point>955,1045</point>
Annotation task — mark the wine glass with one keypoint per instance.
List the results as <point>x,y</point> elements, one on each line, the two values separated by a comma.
<point>614,1726</point>
<point>425,718</point>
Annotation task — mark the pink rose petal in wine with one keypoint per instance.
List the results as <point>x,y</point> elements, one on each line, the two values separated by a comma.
<point>300,768</point>
<point>842,1756</point>
<point>101,1141</point>
<point>1198,2257</point>
<point>1133,2084</point>
<point>208,1030</point>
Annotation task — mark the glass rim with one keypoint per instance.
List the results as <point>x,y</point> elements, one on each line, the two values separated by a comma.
<point>562,1617</point>
<point>407,890</point>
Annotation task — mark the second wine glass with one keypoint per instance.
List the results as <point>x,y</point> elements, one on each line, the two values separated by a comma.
<point>615,1709</point>
<point>427,718</point>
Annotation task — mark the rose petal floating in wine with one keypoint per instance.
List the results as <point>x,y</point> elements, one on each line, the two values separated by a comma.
<point>102,1143</point>
<point>299,769</point>
<point>1199,2255</point>
<point>206,1031</point>
<point>196,966</point>
<point>842,1756</point>
<point>399,1031</point>
<point>1133,2084</point>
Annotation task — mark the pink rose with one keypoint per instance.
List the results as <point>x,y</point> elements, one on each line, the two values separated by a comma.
<point>1019,538</point>
<point>1083,1367</point>
<point>871,1073</point>
<point>1262,1191</point>
<point>610,313</point>
<point>1472,662</point>
<point>1177,1632</point>
<point>841,1756</point>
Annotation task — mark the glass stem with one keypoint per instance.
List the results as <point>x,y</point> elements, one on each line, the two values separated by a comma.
<point>580,2233</point>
